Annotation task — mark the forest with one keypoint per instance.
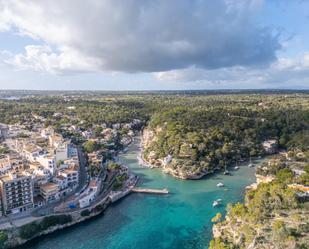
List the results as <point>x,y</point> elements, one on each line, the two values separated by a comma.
<point>216,132</point>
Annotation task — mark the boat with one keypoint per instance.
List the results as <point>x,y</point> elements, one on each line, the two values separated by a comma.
<point>220,184</point>
<point>217,203</point>
<point>226,172</point>
<point>236,166</point>
<point>250,165</point>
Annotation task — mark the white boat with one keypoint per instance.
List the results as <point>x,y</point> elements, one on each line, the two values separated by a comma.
<point>217,203</point>
<point>236,166</point>
<point>250,165</point>
<point>226,172</point>
<point>220,184</point>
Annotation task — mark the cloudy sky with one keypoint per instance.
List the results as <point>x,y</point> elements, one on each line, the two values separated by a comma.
<point>154,44</point>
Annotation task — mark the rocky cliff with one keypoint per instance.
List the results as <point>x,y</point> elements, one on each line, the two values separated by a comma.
<point>182,166</point>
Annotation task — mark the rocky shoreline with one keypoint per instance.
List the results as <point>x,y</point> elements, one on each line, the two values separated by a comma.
<point>273,215</point>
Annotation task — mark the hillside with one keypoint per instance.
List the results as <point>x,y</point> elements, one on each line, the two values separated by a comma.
<point>275,213</point>
<point>191,141</point>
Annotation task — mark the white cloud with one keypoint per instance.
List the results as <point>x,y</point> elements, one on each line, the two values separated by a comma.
<point>42,58</point>
<point>139,35</point>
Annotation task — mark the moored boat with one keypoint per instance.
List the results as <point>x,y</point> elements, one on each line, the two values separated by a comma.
<point>217,203</point>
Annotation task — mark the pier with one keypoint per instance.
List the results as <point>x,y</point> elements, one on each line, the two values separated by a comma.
<point>150,190</point>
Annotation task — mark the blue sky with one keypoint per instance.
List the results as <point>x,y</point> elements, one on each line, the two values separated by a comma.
<point>154,45</point>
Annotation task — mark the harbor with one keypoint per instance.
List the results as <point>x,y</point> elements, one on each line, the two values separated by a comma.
<point>178,219</point>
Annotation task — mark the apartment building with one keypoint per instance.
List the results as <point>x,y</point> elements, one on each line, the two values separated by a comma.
<point>71,176</point>
<point>50,192</point>
<point>16,193</point>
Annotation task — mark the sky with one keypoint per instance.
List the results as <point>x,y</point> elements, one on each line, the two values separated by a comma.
<point>154,44</point>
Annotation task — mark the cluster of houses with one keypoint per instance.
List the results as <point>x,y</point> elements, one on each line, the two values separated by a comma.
<point>39,167</point>
<point>118,135</point>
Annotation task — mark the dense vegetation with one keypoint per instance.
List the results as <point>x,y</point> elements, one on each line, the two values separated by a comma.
<point>211,133</point>
<point>32,229</point>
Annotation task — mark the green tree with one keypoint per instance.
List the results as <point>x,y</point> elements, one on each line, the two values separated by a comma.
<point>90,146</point>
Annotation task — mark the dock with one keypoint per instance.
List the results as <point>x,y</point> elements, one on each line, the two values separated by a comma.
<point>150,190</point>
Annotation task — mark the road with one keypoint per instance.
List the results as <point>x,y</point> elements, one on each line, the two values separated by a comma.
<point>83,181</point>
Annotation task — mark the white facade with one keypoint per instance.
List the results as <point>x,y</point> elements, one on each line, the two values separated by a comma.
<point>48,162</point>
<point>89,195</point>
<point>61,181</point>
<point>62,152</point>
<point>71,176</point>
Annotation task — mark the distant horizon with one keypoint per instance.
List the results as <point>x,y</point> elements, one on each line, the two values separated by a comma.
<point>159,90</point>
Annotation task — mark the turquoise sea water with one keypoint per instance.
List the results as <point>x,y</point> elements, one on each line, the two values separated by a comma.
<point>179,220</point>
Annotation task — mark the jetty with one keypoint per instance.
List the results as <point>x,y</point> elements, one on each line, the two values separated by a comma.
<point>150,190</point>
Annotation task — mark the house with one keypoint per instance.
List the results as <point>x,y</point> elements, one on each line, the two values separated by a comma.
<point>48,162</point>
<point>31,152</point>
<point>270,146</point>
<point>71,176</point>
<point>55,140</point>
<point>50,192</point>
<point>90,194</point>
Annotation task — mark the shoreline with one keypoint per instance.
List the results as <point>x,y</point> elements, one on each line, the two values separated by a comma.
<point>145,164</point>
<point>96,209</point>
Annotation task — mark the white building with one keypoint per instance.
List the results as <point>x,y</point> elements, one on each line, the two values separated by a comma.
<point>48,162</point>
<point>31,152</point>
<point>62,152</point>
<point>90,194</point>
<point>61,181</point>
<point>71,176</point>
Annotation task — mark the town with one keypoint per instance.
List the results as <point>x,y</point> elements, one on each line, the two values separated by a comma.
<point>42,173</point>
